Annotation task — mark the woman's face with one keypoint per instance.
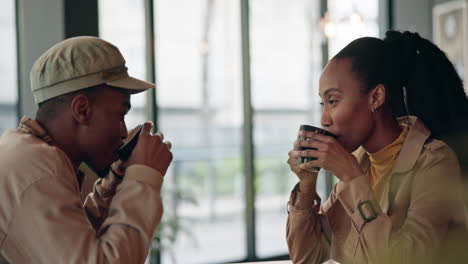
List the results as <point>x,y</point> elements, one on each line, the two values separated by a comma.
<point>346,110</point>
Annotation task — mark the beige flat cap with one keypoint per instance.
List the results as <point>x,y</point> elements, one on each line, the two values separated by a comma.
<point>79,63</point>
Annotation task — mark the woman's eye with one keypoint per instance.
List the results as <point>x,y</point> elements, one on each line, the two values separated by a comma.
<point>328,102</point>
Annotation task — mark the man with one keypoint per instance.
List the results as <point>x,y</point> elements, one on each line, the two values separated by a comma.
<point>83,91</point>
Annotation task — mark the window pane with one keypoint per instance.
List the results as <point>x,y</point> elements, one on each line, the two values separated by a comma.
<point>199,98</point>
<point>8,69</point>
<point>349,20</point>
<point>122,22</point>
<point>286,62</point>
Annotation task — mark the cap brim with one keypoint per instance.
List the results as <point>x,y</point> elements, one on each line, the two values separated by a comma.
<point>132,84</point>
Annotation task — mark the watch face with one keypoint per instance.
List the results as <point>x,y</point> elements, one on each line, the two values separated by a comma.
<point>450,26</point>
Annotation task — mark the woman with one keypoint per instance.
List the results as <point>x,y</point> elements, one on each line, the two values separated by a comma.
<point>399,195</point>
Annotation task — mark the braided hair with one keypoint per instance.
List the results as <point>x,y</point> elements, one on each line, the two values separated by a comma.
<point>419,78</point>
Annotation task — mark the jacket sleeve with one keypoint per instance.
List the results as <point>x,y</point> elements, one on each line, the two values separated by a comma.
<point>97,202</point>
<point>51,226</point>
<point>434,202</point>
<point>307,229</point>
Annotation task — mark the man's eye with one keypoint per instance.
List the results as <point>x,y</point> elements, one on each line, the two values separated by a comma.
<point>322,104</point>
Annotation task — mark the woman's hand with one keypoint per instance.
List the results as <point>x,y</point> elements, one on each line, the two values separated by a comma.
<point>330,154</point>
<point>307,176</point>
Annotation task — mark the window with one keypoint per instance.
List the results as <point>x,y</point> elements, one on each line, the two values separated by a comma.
<point>8,67</point>
<point>348,20</point>
<point>286,63</point>
<point>122,23</point>
<point>199,101</point>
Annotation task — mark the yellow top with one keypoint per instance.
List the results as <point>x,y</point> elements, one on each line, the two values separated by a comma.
<point>382,161</point>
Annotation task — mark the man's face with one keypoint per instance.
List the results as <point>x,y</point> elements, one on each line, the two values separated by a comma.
<point>106,129</point>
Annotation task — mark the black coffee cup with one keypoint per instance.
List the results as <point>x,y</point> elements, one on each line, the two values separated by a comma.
<point>313,129</point>
<point>130,143</point>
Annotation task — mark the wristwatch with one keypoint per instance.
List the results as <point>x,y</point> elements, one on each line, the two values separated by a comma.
<point>367,211</point>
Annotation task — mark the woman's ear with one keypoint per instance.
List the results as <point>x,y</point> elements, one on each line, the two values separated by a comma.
<point>377,97</point>
<point>81,108</point>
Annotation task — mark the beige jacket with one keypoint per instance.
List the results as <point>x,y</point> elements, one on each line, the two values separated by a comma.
<point>44,220</point>
<point>421,214</point>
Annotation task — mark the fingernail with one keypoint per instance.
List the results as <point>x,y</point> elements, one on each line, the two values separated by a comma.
<point>148,125</point>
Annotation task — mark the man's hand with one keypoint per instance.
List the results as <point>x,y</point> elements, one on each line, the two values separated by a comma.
<point>151,150</point>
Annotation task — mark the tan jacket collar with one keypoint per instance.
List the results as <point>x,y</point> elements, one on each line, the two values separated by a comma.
<point>31,126</point>
<point>418,134</point>
<point>410,151</point>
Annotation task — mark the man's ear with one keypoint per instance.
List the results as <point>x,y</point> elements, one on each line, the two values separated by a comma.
<point>82,109</point>
<point>377,97</point>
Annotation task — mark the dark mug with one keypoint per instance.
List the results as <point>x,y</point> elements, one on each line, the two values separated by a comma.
<point>313,129</point>
<point>129,143</point>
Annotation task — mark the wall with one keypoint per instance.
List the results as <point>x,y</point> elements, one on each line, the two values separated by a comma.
<point>413,15</point>
<point>40,25</point>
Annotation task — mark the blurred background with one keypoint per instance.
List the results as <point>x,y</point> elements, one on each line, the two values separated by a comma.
<point>235,79</point>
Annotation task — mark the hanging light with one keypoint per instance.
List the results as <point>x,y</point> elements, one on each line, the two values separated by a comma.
<point>328,27</point>
<point>204,47</point>
<point>355,19</point>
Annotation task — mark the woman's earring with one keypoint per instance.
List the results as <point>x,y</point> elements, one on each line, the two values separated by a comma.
<point>372,109</point>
